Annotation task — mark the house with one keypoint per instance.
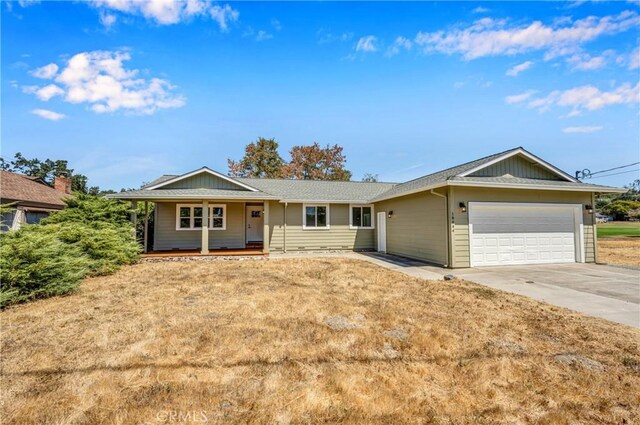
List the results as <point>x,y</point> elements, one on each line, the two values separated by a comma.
<point>32,198</point>
<point>508,208</point>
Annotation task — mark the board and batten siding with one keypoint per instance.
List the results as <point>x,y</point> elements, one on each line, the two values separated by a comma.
<point>166,237</point>
<point>460,220</point>
<point>204,180</point>
<point>339,236</point>
<point>516,166</point>
<point>418,227</point>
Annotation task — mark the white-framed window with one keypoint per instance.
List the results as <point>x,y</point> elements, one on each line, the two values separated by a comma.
<point>361,216</point>
<point>315,216</point>
<point>189,217</point>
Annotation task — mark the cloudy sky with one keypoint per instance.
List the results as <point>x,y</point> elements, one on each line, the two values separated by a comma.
<point>128,90</point>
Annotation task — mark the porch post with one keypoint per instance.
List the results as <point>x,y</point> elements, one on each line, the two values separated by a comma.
<point>134,218</point>
<point>205,228</point>
<point>265,230</point>
<point>146,225</point>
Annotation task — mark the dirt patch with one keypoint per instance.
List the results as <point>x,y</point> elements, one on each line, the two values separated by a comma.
<point>308,341</point>
<point>619,251</point>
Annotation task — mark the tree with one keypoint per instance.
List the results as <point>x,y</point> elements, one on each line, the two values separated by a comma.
<point>47,170</point>
<point>620,208</point>
<point>371,178</point>
<point>315,163</point>
<point>261,159</point>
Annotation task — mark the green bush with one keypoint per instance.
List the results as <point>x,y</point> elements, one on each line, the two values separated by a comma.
<point>91,237</point>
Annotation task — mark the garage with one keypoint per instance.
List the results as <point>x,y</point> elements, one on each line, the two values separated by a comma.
<point>503,233</point>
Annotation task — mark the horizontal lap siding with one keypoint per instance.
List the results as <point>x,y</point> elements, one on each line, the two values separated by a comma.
<point>339,236</point>
<point>460,226</point>
<point>167,237</point>
<point>417,229</point>
<point>204,180</point>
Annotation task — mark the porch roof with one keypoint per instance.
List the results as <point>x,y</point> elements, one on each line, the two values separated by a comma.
<point>159,194</point>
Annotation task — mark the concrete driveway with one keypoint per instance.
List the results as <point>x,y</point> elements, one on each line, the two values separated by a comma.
<point>609,292</point>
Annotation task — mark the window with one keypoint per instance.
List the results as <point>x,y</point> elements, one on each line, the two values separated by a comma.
<point>361,217</point>
<point>315,216</point>
<point>189,217</point>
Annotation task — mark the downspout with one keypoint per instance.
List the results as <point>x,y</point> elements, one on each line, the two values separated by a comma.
<point>446,220</point>
<point>284,248</point>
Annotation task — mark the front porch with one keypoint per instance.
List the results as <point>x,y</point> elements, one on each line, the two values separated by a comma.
<point>206,227</point>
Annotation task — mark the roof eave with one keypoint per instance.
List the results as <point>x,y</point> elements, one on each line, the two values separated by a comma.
<point>585,188</point>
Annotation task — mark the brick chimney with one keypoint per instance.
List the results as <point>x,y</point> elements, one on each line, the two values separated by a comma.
<point>62,183</point>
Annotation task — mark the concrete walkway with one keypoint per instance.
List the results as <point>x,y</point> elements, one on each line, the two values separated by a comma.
<point>609,292</point>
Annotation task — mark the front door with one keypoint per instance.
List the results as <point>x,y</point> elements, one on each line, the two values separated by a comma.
<point>254,224</point>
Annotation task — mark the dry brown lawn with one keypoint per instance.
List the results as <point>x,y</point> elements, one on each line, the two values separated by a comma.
<point>309,341</point>
<point>623,251</point>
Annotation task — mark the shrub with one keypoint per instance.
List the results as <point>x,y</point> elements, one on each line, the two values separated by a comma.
<point>91,237</point>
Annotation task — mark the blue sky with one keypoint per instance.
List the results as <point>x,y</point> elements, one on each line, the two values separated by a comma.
<point>128,90</point>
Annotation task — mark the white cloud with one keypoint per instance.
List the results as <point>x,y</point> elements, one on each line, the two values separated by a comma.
<point>400,43</point>
<point>49,115</point>
<point>27,3</point>
<point>46,72</point>
<point>166,12</point>
<point>517,98</point>
<point>491,37</point>
<point>276,25</point>
<point>325,36</point>
<point>634,59</point>
<point>367,44</point>
<point>517,69</point>
<point>588,98</point>
<point>263,35</point>
<point>585,129</point>
<point>480,9</point>
<point>100,80</point>
<point>586,62</point>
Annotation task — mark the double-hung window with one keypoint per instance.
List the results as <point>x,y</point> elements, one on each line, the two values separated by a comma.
<point>361,217</point>
<point>315,216</point>
<point>189,217</point>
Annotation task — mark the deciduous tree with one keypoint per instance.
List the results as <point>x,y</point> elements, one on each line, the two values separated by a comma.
<point>261,159</point>
<point>316,163</point>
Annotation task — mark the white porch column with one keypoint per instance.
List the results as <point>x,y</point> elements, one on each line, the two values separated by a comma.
<point>146,226</point>
<point>265,231</point>
<point>205,228</point>
<point>134,218</point>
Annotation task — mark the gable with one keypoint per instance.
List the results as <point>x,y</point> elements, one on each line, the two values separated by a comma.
<point>204,181</point>
<point>517,166</point>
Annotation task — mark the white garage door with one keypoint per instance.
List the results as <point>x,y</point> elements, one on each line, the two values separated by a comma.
<point>516,233</point>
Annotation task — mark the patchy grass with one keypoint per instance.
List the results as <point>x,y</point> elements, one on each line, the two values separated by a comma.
<point>618,228</point>
<point>619,251</point>
<point>308,341</point>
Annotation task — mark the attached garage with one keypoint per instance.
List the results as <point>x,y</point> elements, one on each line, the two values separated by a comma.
<point>503,233</point>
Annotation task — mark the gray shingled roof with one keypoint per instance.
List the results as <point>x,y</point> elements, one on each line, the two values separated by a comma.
<point>191,194</point>
<point>532,182</point>
<point>341,191</point>
<point>318,190</point>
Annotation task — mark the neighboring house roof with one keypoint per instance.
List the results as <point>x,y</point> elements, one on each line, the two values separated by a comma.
<point>364,192</point>
<point>29,190</point>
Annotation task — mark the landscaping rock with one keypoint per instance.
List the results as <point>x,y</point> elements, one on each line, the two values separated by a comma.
<point>449,277</point>
<point>390,352</point>
<point>578,360</point>
<point>396,333</point>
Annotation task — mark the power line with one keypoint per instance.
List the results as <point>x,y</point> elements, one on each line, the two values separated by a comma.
<point>615,174</point>
<point>615,168</point>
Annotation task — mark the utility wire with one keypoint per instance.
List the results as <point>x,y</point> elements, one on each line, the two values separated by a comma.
<point>616,168</point>
<point>615,174</point>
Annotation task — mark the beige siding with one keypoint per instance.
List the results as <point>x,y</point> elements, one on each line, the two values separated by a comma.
<point>516,166</point>
<point>167,237</point>
<point>460,224</point>
<point>338,237</point>
<point>418,227</point>
<point>204,180</point>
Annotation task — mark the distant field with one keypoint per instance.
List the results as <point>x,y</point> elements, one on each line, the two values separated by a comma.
<point>618,229</point>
